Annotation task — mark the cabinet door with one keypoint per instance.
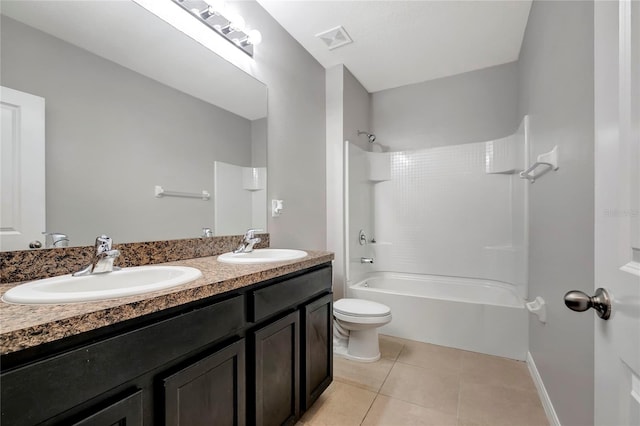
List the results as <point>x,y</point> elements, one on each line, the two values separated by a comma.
<point>318,348</point>
<point>125,412</point>
<point>277,365</point>
<point>211,391</point>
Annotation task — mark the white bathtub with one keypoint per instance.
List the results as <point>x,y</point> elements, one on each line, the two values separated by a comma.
<point>471,314</point>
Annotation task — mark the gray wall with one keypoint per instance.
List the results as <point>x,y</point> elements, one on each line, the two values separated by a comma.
<point>112,135</point>
<point>348,106</point>
<point>556,88</point>
<point>296,129</point>
<point>335,174</point>
<point>476,106</point>
<point>357,111</point>
<point>357,116</point>
<point>259,145</point>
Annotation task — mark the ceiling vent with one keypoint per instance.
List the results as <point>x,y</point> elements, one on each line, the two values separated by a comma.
<point>335,37</point>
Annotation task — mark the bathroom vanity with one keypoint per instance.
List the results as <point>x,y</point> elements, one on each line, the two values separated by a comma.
<point>247,344</point>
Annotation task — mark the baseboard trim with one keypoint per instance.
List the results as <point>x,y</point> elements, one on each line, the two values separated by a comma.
<point>542,392</point>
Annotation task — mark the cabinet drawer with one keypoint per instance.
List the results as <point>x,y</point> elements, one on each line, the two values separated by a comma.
<point>71,378</point>
<point>277,297</point>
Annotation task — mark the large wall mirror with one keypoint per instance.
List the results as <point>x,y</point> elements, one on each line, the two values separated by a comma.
<point>130,104</point>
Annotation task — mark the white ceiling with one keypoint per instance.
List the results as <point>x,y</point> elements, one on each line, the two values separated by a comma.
<point>396,43</point>
<point>127,34</point>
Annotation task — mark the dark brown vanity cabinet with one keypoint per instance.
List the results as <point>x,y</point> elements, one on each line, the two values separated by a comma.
<point>318,348</point>
<point>125,412</point>
<point>210,391</point>
<point>293,354</point>
<point>277,372</point>
<point>259,355</point>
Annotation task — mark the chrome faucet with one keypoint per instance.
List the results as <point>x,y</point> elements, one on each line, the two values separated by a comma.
<point>248,241</point>
<point>103,260</point>
<point>366,260</point>
<point>55,239</point>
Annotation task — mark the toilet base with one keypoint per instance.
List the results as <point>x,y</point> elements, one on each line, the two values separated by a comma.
<point>362,346</point>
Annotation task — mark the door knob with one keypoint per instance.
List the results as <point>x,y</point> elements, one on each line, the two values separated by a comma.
<point>580,302</point>
<point>35,244</point>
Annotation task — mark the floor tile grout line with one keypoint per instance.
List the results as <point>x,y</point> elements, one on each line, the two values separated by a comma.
<point>369,409</point>
<point>460,368</point>
<point>389,372</point>
<point>380,388</point>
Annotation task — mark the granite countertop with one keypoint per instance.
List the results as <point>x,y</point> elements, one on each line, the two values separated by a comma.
<point>25,326</point>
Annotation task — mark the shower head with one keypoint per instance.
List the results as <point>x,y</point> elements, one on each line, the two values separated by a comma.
<point>370,136</point>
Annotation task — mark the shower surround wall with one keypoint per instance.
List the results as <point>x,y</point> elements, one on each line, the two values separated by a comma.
<point>445,215</point>
<point>451,211</point>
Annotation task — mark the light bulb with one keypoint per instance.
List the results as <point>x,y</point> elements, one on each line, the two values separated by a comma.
<point>236,22</point>
<point>204,14</point>
<point>216,6</point>
<point>254,37</point>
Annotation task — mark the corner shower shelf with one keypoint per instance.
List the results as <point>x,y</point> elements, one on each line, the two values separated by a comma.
<point>548,159</point>
<point>379,166</point>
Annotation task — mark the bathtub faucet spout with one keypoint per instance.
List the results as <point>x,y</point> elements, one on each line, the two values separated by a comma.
<point>366,260</point>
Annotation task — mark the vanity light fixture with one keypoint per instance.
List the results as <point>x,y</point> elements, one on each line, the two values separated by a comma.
<point>229,25</point>
<point>253,38</point>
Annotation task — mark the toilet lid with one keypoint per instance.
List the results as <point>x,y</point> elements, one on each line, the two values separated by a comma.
<point>361,308</point>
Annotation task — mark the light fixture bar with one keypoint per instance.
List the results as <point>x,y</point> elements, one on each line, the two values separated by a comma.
<point>228,25</point>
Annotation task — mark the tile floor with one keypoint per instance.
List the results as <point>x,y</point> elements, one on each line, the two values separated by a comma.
<point>421,384</point>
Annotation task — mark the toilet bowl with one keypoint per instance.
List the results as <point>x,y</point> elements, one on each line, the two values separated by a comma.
<point>355,328</point>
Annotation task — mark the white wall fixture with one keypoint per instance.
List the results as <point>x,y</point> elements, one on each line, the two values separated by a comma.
<point>276,207</point>
<point>379,166</point>
<point>335,37</point>
<point>161,192</point>
<point>538,307</point>
<point>548,159</point>
<point>254,178</point>
<point>229,25</point>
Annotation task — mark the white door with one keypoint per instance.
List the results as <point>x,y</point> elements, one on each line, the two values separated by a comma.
<point>617,214</point>
<point>22,173</point>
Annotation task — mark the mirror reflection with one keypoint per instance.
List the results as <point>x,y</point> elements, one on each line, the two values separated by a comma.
<point>124,111</point>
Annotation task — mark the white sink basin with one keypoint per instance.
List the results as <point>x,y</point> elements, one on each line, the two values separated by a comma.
<point>125,282</point>
<point>262,256</point>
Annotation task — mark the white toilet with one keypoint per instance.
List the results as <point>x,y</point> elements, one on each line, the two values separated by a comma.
<point>355,328</point>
